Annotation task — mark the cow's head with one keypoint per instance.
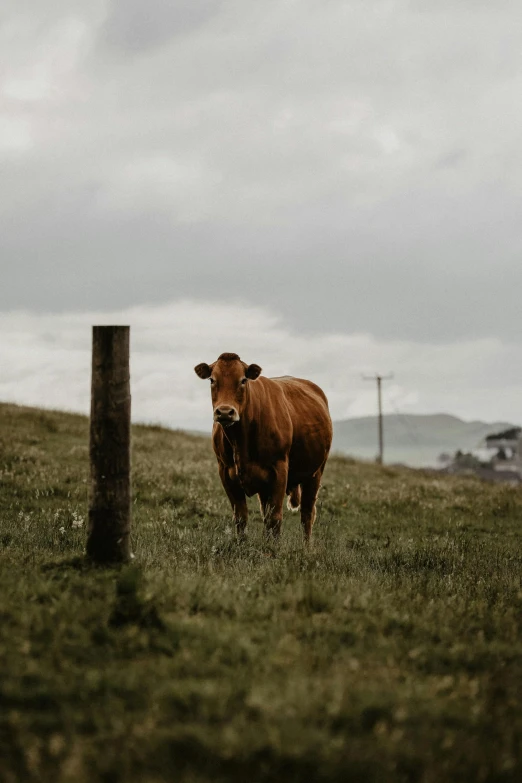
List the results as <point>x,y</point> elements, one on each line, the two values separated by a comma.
<point>229,380</point>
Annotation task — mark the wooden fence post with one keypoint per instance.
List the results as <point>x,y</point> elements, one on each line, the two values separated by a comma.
<point>108,539</point>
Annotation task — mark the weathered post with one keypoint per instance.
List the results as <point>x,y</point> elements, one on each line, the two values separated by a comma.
<point>108,539</point>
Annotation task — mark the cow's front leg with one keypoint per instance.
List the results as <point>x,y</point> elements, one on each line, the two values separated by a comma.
<point>237,499</point>
<point>272,497</point>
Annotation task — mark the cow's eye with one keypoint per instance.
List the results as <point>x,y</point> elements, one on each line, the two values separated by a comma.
<point>243,381</point>
<point>212,381</point>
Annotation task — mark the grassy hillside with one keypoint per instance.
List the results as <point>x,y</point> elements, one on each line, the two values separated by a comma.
<point>413,439</point>
<point>389,651</point>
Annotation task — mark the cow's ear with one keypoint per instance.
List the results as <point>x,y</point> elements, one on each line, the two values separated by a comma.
<point>203,370</point>
<point>253,371</point>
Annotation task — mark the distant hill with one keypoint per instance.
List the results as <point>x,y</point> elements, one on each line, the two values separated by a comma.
<point>415,440</point>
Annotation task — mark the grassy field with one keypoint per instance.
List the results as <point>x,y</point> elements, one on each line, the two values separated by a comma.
<point>389,651</point>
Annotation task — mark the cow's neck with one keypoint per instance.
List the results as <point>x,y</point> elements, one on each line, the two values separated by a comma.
<point>239,437</point>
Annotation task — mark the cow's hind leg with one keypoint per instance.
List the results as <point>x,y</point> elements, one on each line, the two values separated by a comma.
<point>237,499</point>
<point>309,490</point>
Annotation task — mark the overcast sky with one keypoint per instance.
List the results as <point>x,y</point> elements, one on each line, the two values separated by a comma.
<point>328,185</point>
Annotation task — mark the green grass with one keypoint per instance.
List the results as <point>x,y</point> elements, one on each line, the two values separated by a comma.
<point>389,651</point>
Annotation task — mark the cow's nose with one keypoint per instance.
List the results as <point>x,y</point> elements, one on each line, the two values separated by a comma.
<point>224,412</point>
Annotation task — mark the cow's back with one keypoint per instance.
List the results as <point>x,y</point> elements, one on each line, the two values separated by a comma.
<point>307,408</point>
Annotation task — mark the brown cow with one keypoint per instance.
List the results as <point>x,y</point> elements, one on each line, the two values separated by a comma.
<point>271,437</point>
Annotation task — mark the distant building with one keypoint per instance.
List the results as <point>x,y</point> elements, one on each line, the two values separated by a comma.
<point>498,457</point>
<point>505,449</point>
<point>508,441</point>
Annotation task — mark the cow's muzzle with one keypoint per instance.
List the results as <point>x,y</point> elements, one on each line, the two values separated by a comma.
<point>226,415</point>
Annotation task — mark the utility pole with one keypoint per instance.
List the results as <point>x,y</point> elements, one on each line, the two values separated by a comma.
<point>379,379</point>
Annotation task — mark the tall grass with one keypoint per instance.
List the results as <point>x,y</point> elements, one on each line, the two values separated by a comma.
<point>388,651</point>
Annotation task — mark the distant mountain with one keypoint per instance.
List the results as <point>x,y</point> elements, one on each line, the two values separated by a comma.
<point>415,440</point>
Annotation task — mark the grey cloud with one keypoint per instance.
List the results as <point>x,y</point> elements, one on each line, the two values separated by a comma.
<point>353,165</point>
<point>326,282</point>
<point>136,26</point>
<point>451,159</point>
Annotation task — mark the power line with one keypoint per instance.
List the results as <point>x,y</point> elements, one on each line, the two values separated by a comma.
<point>379,379</point>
